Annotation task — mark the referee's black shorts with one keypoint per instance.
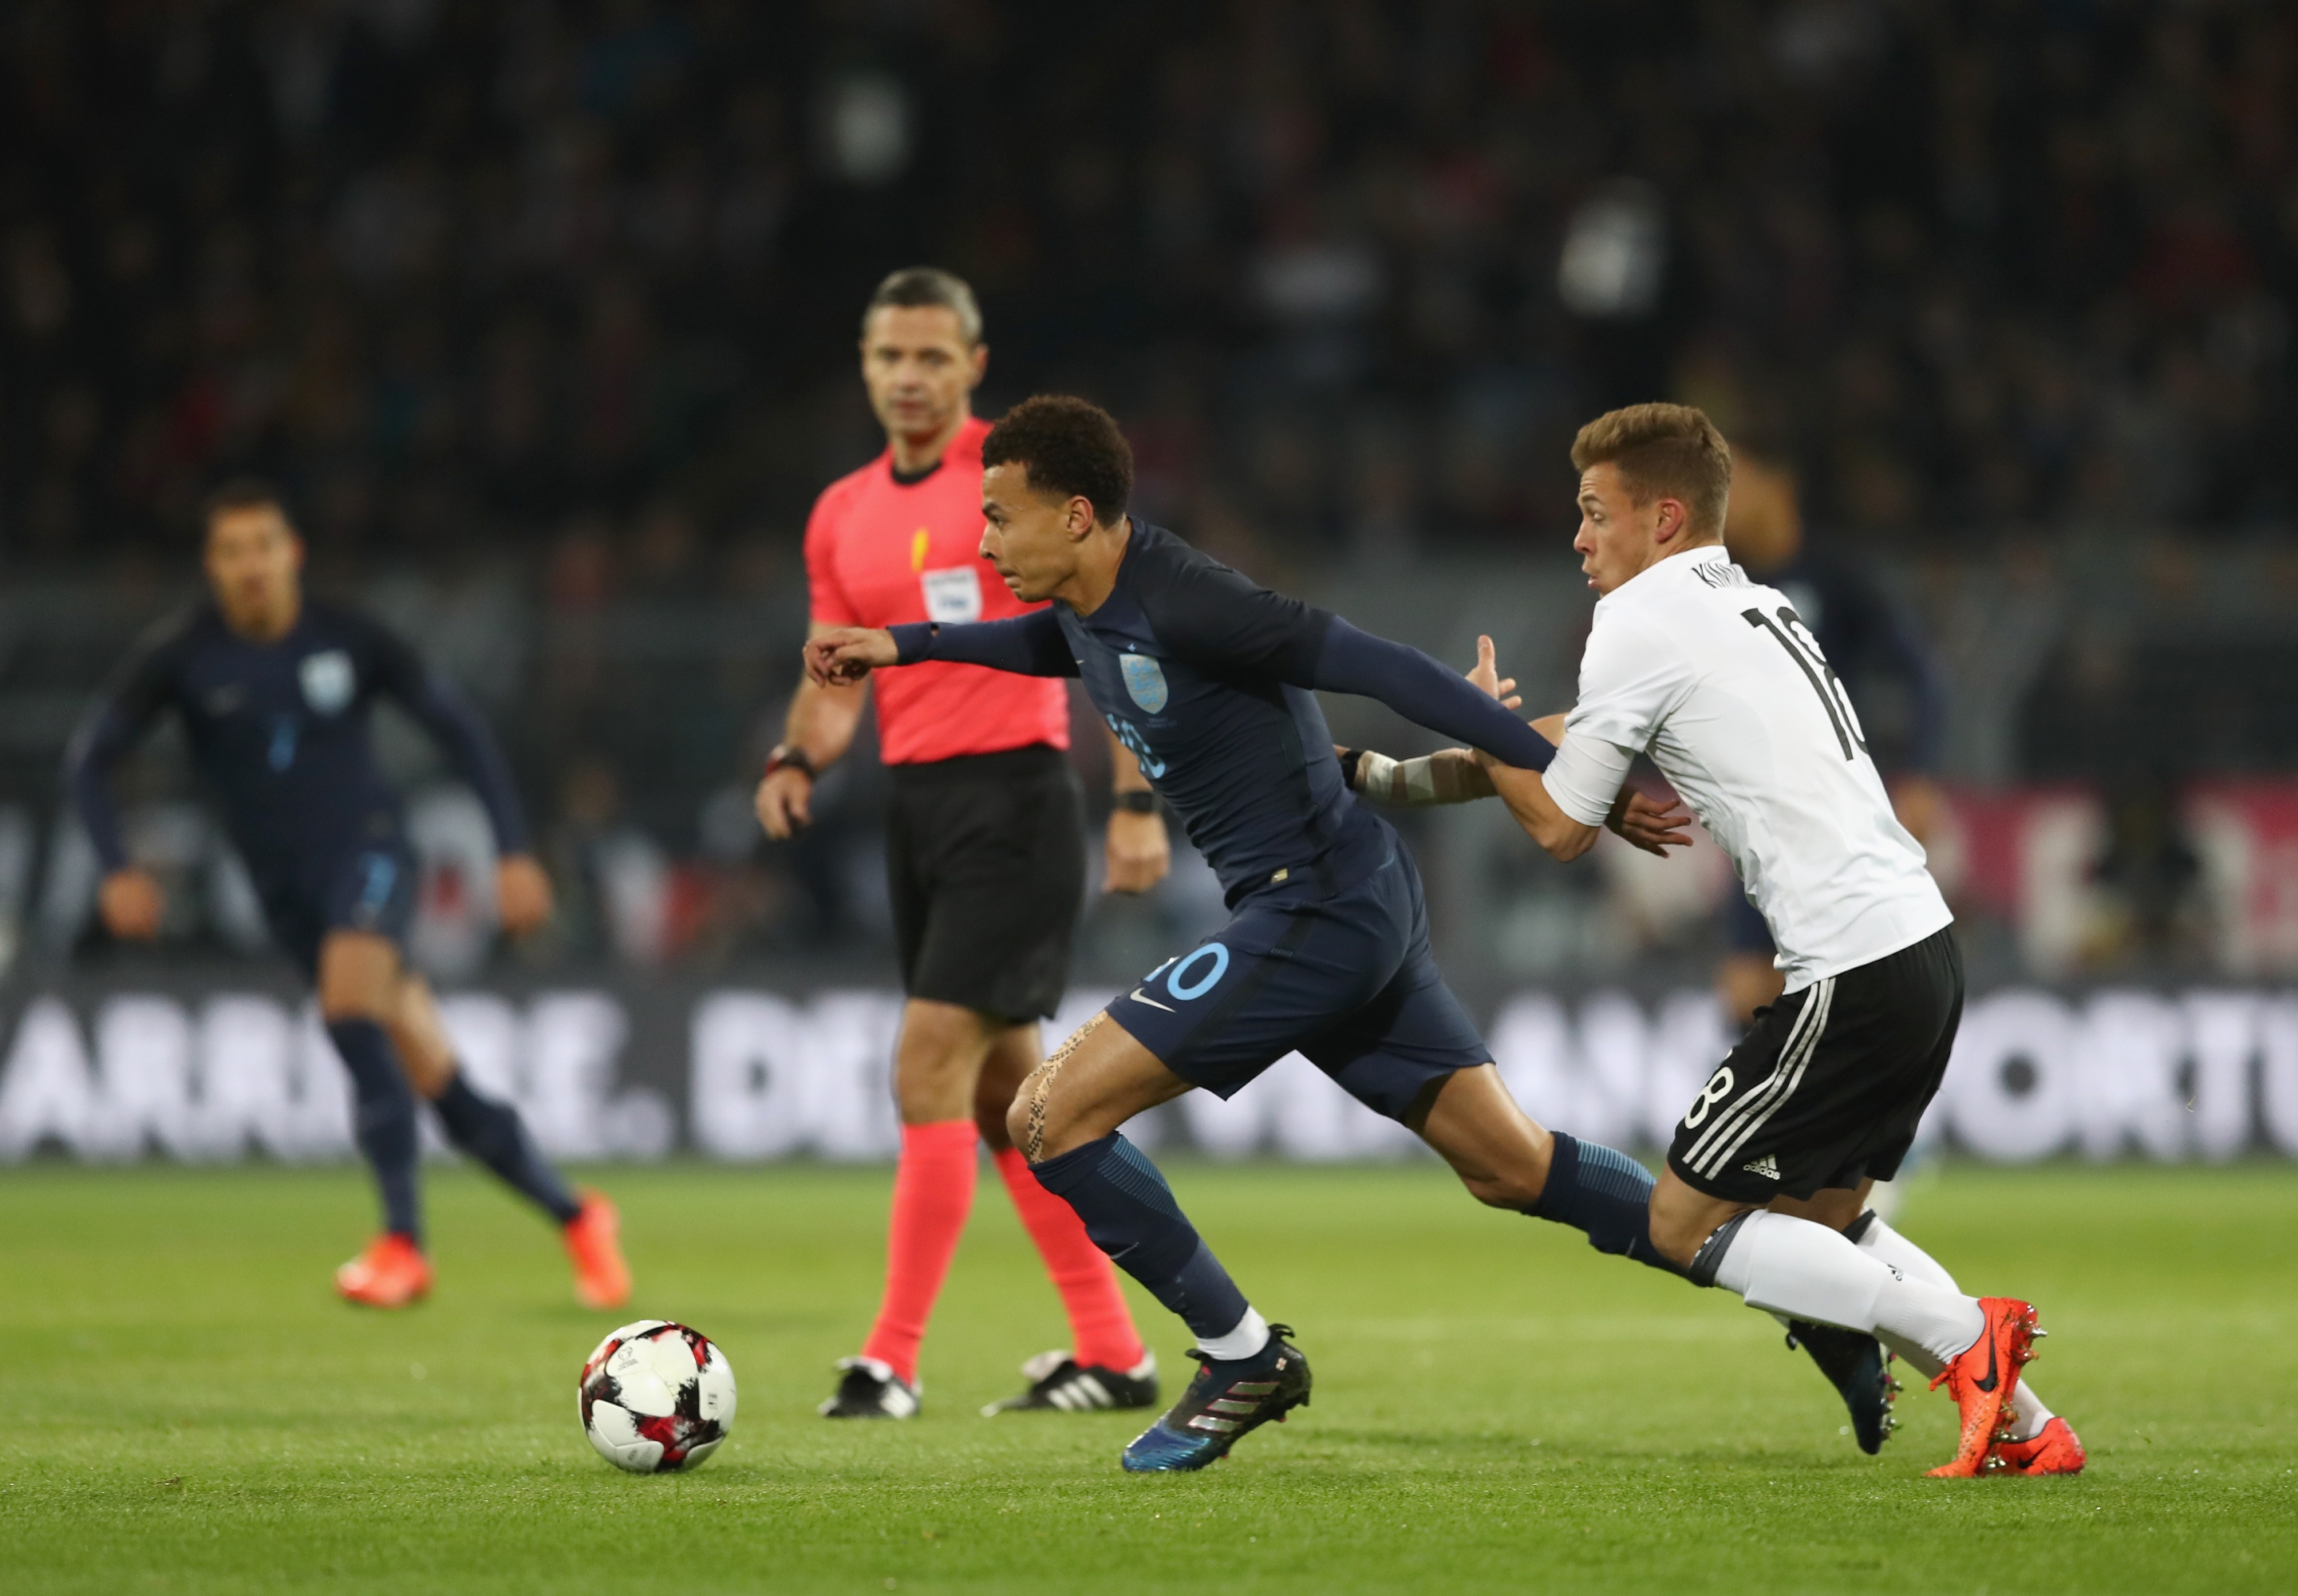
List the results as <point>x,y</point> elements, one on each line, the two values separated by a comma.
<point>1829,1084</point>
<point>985,855</point>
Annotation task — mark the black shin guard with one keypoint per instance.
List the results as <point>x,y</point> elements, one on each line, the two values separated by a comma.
<point>1602,1191</point>
<point>1131,1215</point>
<point>382,1120</point>
<point>493,1133</point>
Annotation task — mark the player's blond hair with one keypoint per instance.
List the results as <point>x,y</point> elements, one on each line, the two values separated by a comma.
<point>1663,451</point>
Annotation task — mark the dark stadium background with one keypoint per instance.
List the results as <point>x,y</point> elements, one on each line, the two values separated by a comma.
<point>544,313</point>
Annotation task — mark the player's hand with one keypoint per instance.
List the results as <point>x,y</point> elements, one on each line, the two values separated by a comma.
<point>785,802</point>
<point>522,894</point>
<point>846,654</point>
<point>130,902</point>
<point>1487,678</point>
<point>1649,823</point>
<point>1137,853</point>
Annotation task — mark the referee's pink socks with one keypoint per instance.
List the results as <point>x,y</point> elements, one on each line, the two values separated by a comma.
<point>933,1192</point>
<point>1100,1323</point>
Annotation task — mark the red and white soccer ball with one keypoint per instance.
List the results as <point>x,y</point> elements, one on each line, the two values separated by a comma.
<point>657,1397</point>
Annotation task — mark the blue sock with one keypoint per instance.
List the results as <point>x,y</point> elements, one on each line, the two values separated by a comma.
<point>1131,1213</point>
<point>1604,1192</point>
<point>493,1133</point>
<point>382,1119</point>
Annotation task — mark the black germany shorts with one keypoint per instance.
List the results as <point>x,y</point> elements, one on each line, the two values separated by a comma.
<point>1829,1083</point>
<point>985,857</point>
<point>1342,973</point>
<point>369,890</point>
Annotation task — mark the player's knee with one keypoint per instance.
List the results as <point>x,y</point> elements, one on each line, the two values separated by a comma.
<point>1038,1119</point>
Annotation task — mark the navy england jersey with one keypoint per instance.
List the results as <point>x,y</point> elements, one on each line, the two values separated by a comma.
<point>1195,669</point>
<point>280,732</point>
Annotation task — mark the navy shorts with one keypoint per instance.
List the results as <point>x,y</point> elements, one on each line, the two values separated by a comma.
<point>368,890</point>
<point>1345,976</point>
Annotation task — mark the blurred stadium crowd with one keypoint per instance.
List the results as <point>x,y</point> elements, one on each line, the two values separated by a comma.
<point>460,267</point>
<point>544,312</point>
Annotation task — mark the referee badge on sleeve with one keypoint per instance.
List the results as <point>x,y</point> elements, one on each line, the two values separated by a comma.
<point>1144,680</point>
<point>952,596</point>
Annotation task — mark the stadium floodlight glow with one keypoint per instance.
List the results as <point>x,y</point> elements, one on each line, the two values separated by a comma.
<point>1615,253</point>
<point>867,123</point>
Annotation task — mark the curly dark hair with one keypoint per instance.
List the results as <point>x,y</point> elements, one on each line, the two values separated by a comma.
<point>1069,446</point>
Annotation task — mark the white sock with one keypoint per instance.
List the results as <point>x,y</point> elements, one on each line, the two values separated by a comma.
<point>1915,1264</point>
<point>1250,1334</point>
<point>1795,1267</point>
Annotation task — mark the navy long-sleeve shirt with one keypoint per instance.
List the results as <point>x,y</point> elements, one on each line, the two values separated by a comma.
<point>281,731</point>
<point>1207,679</point>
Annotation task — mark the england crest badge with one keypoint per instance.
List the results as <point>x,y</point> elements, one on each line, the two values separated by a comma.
<point>329,682</point>
<point>1144,680</point>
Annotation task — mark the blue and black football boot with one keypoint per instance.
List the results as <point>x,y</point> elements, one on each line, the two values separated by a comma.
<point>1859,1368</point>
<point>1225,1401</point>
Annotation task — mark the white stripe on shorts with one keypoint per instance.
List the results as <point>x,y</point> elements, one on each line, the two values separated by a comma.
<point>1803,1019</point>
<point>1749,1114</point>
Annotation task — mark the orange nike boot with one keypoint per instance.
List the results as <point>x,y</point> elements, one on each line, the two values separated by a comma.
<point>601,1278</point>
<point>2054,1448</point>
<point>392,1273</point>
<point>1982,1380</point>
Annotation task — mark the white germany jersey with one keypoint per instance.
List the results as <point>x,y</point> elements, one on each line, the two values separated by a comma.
<point>1717,678</point>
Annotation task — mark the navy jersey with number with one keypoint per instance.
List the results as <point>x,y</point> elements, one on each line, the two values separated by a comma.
<point>280,732</point>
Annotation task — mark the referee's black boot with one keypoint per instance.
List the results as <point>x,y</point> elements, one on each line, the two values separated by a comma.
<point>869,1389</point>
<point>1059,1384</point>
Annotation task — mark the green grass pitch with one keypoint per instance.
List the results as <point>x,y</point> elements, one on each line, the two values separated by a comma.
<point>1497,1408</point>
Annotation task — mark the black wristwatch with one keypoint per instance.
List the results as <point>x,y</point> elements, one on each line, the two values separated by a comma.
<point>1349,759</point>
<point>1138,800</point>
<point>785,756</point>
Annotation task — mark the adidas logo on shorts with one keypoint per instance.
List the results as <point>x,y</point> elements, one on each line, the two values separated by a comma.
<point>1767,1166</point>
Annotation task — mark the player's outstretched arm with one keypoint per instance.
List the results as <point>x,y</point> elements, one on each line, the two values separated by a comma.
<point>1425,692</point>
<point>1447,776</point>
<point>1457,776</point>
<point>1527,799</point>
<point>1029,645</point>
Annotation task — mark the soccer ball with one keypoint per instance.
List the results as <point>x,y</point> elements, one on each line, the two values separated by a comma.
<point>657,1397</point>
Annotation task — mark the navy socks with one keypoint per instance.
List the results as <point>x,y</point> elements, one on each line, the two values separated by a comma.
<point>1604,1192</point>
<point>382,1120</point>
<point>493,1133</point>
<point>1131,1213</point>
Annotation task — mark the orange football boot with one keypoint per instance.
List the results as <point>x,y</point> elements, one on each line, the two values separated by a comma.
<point>392,1273</point>
<point>1982,1380</point>
<point>2054,1448</point>
<point>601,1278</point>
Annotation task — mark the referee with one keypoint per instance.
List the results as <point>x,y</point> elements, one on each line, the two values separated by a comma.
<point>985,853</point>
